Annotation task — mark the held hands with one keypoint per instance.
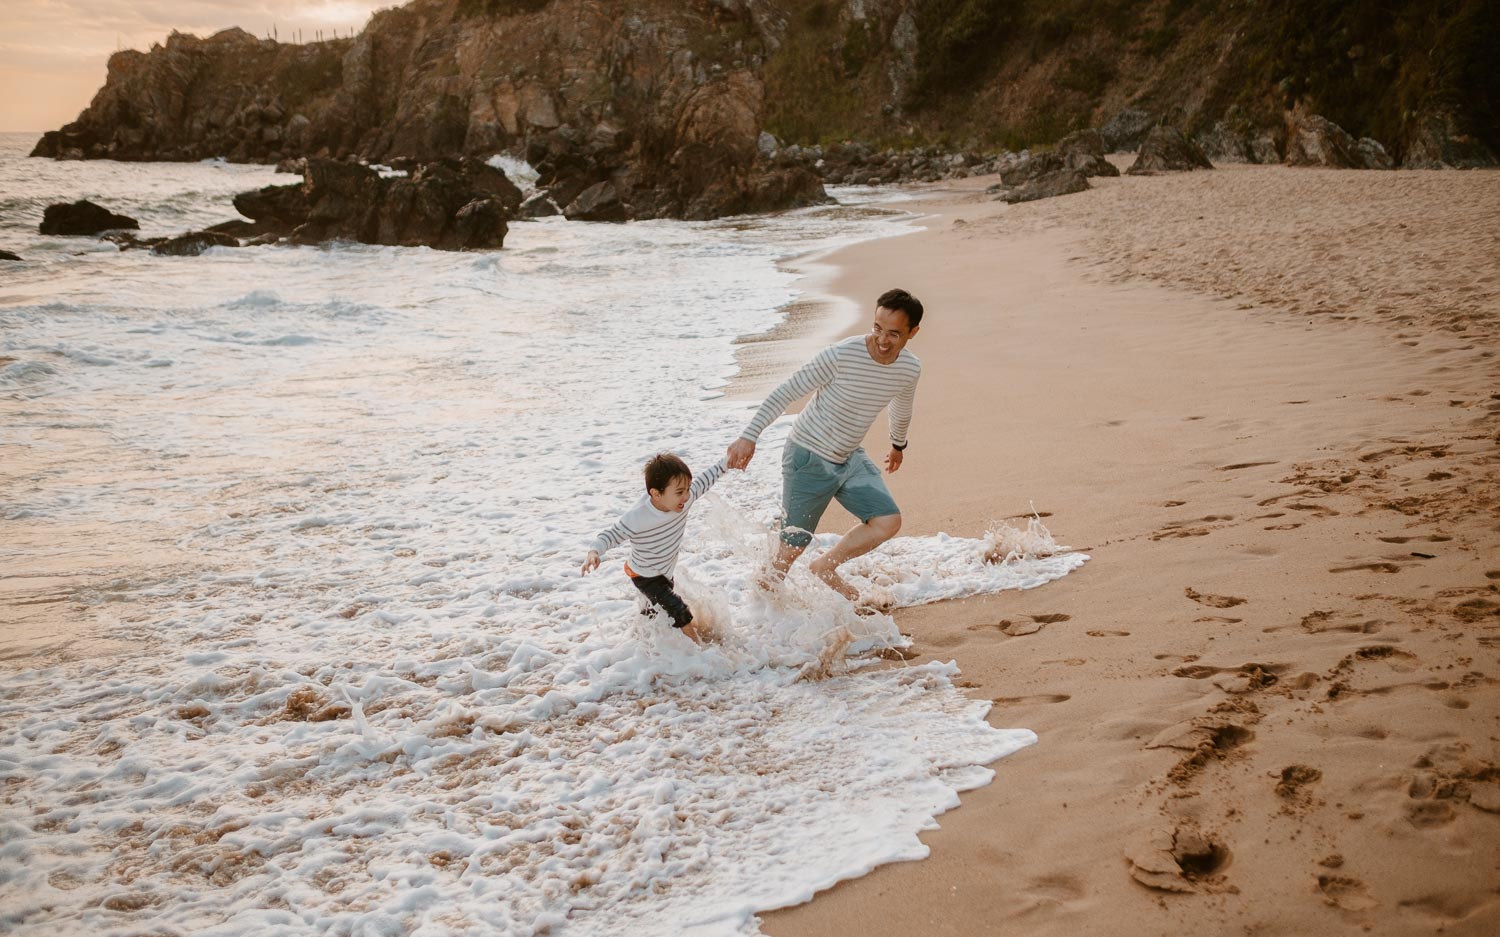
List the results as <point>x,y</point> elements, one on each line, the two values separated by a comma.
<point>741,451</point>
<point>893,461</point>
<point>591,563</point>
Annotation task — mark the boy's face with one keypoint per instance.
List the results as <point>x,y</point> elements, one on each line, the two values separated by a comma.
<point>891,331</point>
<point>674,497</point>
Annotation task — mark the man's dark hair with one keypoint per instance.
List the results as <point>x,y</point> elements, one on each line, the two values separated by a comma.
<point>904,301</point>
<point>663,467</point>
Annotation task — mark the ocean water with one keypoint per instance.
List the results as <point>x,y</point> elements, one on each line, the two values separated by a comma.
<point>289,549</point>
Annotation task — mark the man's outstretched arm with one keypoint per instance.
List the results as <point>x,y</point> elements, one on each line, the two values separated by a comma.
<point>811,376</point>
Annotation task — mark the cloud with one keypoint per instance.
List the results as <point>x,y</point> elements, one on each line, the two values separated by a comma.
<point>52,49</point>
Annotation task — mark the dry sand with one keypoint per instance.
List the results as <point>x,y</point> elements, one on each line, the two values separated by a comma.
<point>1269,703</point>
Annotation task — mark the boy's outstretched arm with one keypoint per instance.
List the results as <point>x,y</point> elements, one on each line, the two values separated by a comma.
<point>611,536</point>
<point>706,478</point>
<point>811,376</point>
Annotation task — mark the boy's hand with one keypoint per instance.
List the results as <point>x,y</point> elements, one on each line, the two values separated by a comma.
<point>893,461</point>
<point>741,451</point>
<point>591,563</point>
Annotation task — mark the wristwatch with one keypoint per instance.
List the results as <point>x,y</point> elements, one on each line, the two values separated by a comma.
<point>902,447</point>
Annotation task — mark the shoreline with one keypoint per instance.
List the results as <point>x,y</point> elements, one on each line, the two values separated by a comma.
<point>817,316</point>
<point>1268,702</point>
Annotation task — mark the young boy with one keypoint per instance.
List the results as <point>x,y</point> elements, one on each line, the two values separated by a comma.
<point>654,528</point>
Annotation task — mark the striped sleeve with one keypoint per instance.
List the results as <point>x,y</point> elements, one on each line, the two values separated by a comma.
<point>706,479</point>
<point>612,536</point>
<point>819,372</point>
<point>901,407</point>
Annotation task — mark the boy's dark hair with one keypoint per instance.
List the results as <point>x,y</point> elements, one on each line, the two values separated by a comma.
<point>904,301</point>
<point>663,467</point>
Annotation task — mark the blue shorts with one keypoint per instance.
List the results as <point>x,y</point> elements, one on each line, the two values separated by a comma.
<point>809,482</point>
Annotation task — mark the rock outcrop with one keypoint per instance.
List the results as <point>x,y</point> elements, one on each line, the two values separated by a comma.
<point>1047,185</point>
<point>1437,143</point>
<point>7,255</point>
<point>1314,140</point>
<point>193,243</point>
<point>662,101</point>
<point>83,218</point>
<point>449,205</point>
<point>1083,151</point>
<point>1166,149</point>
<point>1124,132</point>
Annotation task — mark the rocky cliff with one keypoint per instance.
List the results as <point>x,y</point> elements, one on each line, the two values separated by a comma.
<point>657,107</point>
<point>662,101</point>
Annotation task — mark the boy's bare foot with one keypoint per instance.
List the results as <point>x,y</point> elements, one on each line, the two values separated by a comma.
<point>828,572</point>
<point>692,630</point>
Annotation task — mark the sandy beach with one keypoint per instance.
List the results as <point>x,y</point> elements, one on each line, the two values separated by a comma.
<point>1264,401</point>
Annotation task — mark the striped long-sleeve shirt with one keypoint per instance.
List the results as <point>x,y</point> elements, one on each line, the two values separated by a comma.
<point>655,536</point>
<point>852,388</point>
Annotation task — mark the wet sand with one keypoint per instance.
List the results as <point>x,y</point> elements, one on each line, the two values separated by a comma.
<point>1265,401</point>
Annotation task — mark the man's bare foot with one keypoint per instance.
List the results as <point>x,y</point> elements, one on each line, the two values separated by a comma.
<point>769,579</point>
<point>828,572</point>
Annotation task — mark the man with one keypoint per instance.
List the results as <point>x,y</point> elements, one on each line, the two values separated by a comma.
<point>854,379</point>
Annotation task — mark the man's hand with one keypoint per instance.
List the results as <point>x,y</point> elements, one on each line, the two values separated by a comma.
<point>893,461</point>
<point>741,451</point>
<point>591,563</point>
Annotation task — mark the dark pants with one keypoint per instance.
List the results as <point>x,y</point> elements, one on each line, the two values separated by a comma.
<point>659,590</point>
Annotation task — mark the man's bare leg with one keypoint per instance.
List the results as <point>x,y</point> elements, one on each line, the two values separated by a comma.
<point>857,542</point>
<point>786,555</point>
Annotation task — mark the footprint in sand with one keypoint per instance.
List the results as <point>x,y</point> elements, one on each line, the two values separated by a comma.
<point>1215,601</point>
<point>1430,538</point>
<point>1319,621</point>
<point>1346,893</point>
<point>1108,634</point>
<point>1242,465</point>
<point>1038,698</point>
<point>1052,618</point>
<point>1367,567</point>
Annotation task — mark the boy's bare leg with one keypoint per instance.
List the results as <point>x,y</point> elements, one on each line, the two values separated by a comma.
<point>692,630</point>
<point>857,542</point>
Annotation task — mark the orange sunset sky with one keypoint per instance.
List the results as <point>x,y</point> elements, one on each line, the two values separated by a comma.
<point>53,52</point>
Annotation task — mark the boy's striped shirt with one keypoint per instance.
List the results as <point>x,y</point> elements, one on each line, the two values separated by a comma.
<point>655,536</point>
<point>852,388</point>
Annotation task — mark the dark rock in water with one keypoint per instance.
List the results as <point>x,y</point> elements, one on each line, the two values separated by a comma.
<point>129,240</point>
<point>1436,142</point>
<point>1372,155</point>
<point>292,166</point>
<point>1314,140</point>
<point>193,243</point>
<point>539,205</point>
<point>7,255</point>
<point>350,202</point>
<point>1165,149</point>
<point>274,207</point>
<point>1083,150</point>
<point>480,225</point>
<point>236,228</point>
<point>789,187</point>
<point>599,202</point>
<point>83,218</point>
<point>1124,132</point>
<point>1058,182</point>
